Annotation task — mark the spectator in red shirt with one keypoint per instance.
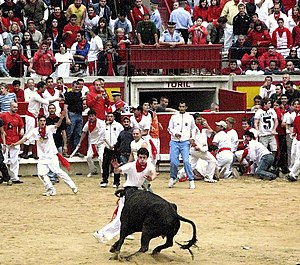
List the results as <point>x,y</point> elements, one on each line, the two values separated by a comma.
<point>18,91</point>
<point>296,35</point>
<point>271,54</point>
<point>232,69</point>
<point>199,32</point>
<point>282,37</point>
<point>138,12</point>
<point>214,11</point>
<point>11,18</point>
<point>70,31</point>
<point>15,62</point>
<point>201,11</point>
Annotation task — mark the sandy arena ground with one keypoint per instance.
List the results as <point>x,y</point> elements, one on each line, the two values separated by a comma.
<point>239,221</point>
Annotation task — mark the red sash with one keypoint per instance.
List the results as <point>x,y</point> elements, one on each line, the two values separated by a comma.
<point>64,161</point>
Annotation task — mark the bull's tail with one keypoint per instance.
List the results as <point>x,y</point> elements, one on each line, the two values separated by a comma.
<point>191,242</point>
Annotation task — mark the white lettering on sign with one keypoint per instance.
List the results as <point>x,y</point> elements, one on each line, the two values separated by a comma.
<point>181,84</point>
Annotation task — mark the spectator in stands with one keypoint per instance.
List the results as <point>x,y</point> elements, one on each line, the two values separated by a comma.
<point>171,37</point>
<point>278,93</point>
<point>29,90</point>
<point>80,10</point>
<point>6,98</point>
<point>267,89</point>
<point>60,85</point>
<point>183,20</point>
<point>147,32</point>
<point>60,18</point>
<point>295,14</point>
<point>215,30</point>
<point>263,9</point>
<point>272,19</point>
<point>13,30</point>
<point>239,48</point>
<point>105,32</point>
<point>230,10</point>
<point>281,36</point>
<point>64,60</point>
<point>102,10</point>
<point>6,6</point>
<point>117,98</point>
<point>70,31</point>
<point>232,69</point>
<point>254,69</point>
<point>201,11</point>
<point>291,92</point>
<point>214,107</point>
<point>96,46</point>
<point>199,32</point>
<point>36,11</point>
<point>290,68</point>
<point>73,110</point>
<point>51,93</point>
<point>255,18</point>
<point>155,15</point>
<point>91,20</point>
<point>121,43</point>
<point>293,57</point>
<point>35,34</point>
<point>77,71</point>
<point>98,99</point>
<point>163,105</point>
<point>55,36</point>
<point>214,11</point>
<point>247,58</point>
<point>284,101</point>
<point>15,62</point>
<point>259,37</point>
<point>272,69</point>
<point>18,91</point>
<point>10,18</point>
<point>3,59</point>
<point>241,22</point>
<point>108,60</point>
<point>271,54</point>
<point>123,22</point>
<point>138,12</point>
<point>43,60</point>
<point>80,49</point>
<point>3,33</point>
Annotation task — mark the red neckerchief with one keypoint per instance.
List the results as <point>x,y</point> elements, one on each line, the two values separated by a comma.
<point>9,4</point>
<point>92,16</point>
<point>92,126</point>
<point>82,44</point>
<point>55,31</point>
<point>51,91</point>
<point>110,71</point>
<point>280,31</point>
<point>33,31</point>
<point>264,108</point>
<point>40,93</point>
<point>123,44</point>
<point>42,132</point>
<point>139,117</point>
<point>52,116</point>
<point>276,16</point>
<point>59,16</point>
<point>200,127</point>
<point>139,167</point>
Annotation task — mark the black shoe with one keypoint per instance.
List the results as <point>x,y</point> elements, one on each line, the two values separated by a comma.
<point>17,181</point>
<point>25,156</point>
<point>33,156</point>
<point>291,178</point>
<point>285,170</point>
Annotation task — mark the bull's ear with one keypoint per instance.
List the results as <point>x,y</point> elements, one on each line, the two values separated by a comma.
<point>174,206</point>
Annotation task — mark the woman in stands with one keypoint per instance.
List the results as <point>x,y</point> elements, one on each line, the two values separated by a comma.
<point>105,32</point>
<point>29,48</point>
<point>293,57</point>
<point>247,58</point>
<point>201,11</point>
<point>14,30</point>
<point>214,11</point>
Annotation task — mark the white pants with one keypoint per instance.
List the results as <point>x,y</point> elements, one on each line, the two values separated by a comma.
<point>228,36</point>
<point>52,163</point>
<point>30,123</point>
<point>113,228</point>
<point>89,157</point>
<point>13,153</point>
<point>293,153</point>
<point>224,160</point>
<point>296,167</point>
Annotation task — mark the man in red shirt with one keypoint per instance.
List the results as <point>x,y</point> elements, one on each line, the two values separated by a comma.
<point>18,91</point>
<point>97,99</point>
<point>14,130</point>
<point>271,55</point>
<point>138,12</point>
<point>70,31</point>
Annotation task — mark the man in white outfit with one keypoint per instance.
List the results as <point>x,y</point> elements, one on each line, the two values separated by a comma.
<point>137,171</point>
<point>49,157</point>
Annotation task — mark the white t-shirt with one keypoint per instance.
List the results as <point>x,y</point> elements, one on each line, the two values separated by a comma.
<point>289,118</point>
<point>48,96</point>
<point>266,121</point>
<point>97,136</point>
<point>96,46</point>
<point>46,147</point>
<point>143,125</point>
<point>263,92</point>
<point>35,103</point>
<point>134,178</point>
<point>222,140</point>
<point>234,139</point>
<point>135,146</point>
<point>263,11</point>
<point>257,150</point>
<point>63,70</point>
<point>201,139</point>
<point>28,93</point>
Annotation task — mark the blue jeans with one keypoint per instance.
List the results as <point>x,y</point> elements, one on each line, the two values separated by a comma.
<point>182,148</point>
<point>264,164</point>
<point>75,128</point>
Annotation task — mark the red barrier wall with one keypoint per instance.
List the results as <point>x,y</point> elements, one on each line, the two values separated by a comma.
<point>230,99</point>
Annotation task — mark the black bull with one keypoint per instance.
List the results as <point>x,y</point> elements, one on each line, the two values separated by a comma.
<point>152,215</point>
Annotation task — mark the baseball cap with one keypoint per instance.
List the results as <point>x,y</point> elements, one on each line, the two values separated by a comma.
<point>222,123</point>
<point>119,104</point>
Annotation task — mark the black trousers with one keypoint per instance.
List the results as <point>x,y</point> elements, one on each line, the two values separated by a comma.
<point>185,34</point>
<point>108,155</point>
<point>3,167</point>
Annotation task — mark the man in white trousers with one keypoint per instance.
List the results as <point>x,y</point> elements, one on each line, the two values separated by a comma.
<point>137,172</point>
<point>95,128</point>
<point>49,157</point>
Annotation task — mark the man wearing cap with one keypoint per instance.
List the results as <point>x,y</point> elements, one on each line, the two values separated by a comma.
<point>183,20</point>
<point>155,15</point>
<point>37,36</point>
<point>117,96</point>
<point>181,128</point>
<point>224,156</point>
<point>171,37</point>
<point>15,62</point>
<point>147,32</point>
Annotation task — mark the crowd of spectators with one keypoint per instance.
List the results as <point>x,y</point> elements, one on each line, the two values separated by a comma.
<point>82,37</point>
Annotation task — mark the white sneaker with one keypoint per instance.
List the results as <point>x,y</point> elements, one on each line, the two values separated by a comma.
<point>75,190</point>
<point>130,237</point>
<point>210,180</point>
<point>100,237</point>
<point>103,185</point>
<point>192,184</point>
<point>50,192</point>
<point>171,182</point>
<point>91,174</point>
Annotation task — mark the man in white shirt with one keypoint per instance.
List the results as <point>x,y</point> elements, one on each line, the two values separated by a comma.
<point>271,22</point>
<point>138,120</point>
<point>51,93</point>
<point>263,9</point>
<point>260,155</point>
<point>29,90</point>
<point>96,46</point>
<point>181,128</point>
<point>95,128</point>
<point>267,89</point>
<point>63,63</point>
